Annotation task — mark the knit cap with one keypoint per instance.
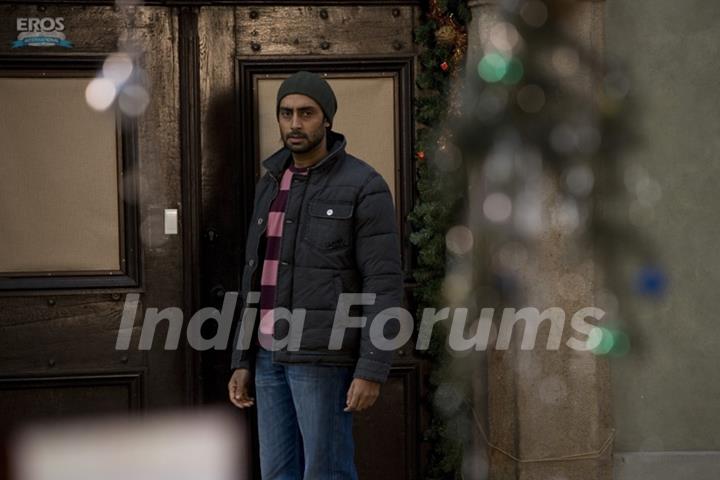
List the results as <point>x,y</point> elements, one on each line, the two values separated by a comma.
<point>311,85</point>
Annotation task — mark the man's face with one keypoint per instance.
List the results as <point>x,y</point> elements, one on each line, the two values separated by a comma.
<point>302,123</point>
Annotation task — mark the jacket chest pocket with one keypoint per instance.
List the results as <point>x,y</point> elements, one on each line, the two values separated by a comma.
<point>330,224</point>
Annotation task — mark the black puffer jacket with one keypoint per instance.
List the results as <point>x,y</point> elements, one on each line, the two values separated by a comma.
<point>339,235</point>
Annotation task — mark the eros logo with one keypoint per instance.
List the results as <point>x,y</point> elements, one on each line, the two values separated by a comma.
<point>34,24</point>
<point>41,32</point>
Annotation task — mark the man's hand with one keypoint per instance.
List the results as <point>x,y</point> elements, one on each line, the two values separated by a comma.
<point>361,395</point>
<point>239,388</point>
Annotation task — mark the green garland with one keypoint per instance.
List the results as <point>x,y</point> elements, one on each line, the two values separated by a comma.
<point>441,198</point>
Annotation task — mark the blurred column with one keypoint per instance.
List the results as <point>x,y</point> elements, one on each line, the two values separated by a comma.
<point>547,404</point>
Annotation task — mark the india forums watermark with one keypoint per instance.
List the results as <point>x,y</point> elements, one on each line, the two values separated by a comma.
<point>464,334</point>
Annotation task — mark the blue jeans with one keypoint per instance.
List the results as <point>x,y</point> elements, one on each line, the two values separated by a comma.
<point>303,431</point>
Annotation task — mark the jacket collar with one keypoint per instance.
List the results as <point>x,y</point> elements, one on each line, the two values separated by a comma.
<point>280,160</point>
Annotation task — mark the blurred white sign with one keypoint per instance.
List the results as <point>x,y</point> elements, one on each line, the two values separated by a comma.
<point>189,446</point>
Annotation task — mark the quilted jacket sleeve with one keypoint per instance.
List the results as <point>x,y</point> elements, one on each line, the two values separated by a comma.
<point>377,252</point>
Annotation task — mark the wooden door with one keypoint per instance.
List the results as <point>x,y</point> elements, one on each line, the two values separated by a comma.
<point>83,198</point>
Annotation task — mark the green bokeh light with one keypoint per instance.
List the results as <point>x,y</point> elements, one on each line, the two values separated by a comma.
<point>493,67</point>
<point>606,340</point>
<point>621,345</point>
<point>611,342</point>
<point>514,72</point>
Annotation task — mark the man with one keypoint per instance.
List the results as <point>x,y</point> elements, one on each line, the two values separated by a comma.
<point>323,223</point>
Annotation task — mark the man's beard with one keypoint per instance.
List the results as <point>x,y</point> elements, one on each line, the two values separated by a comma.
<point>311,142</point>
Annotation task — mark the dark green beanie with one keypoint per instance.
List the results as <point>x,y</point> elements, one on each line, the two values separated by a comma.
<point>313,86</point>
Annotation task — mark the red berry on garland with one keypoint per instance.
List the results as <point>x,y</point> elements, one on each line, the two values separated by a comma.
<point>421,155</point>
<point>444,66</point>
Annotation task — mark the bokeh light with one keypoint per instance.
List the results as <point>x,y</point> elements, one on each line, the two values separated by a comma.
<point>100,94</point>
<point>566,61</point>
<point>648,192</point>
<point>504,37</point>
<point>621,344</point>
<point>608,342</point>
<point>496,67</point>
<point>459,240</point>
<point>493,67</point>
<point>565,215</point>
<point>497,207</point>
<point>456,286</point>
<point>117,67</point>
<point>651,281</point>
<point>564,138</point>
<point>133,100</point>
<point>534,13</point>
<point>514,72</point>
<point>531,98</point>
<point>603,338</point>
<point>633,175</point>
<point>616,85</point>
<point>579,180</point>
<point>595,340</point>
<point>588,139</point>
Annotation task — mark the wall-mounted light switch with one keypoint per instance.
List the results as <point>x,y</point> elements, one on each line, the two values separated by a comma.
<point>171,221</point>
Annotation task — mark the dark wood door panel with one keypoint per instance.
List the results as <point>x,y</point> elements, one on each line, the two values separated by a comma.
<point>62,333</point>
<point>386,434</point>
<point>42,398</point>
